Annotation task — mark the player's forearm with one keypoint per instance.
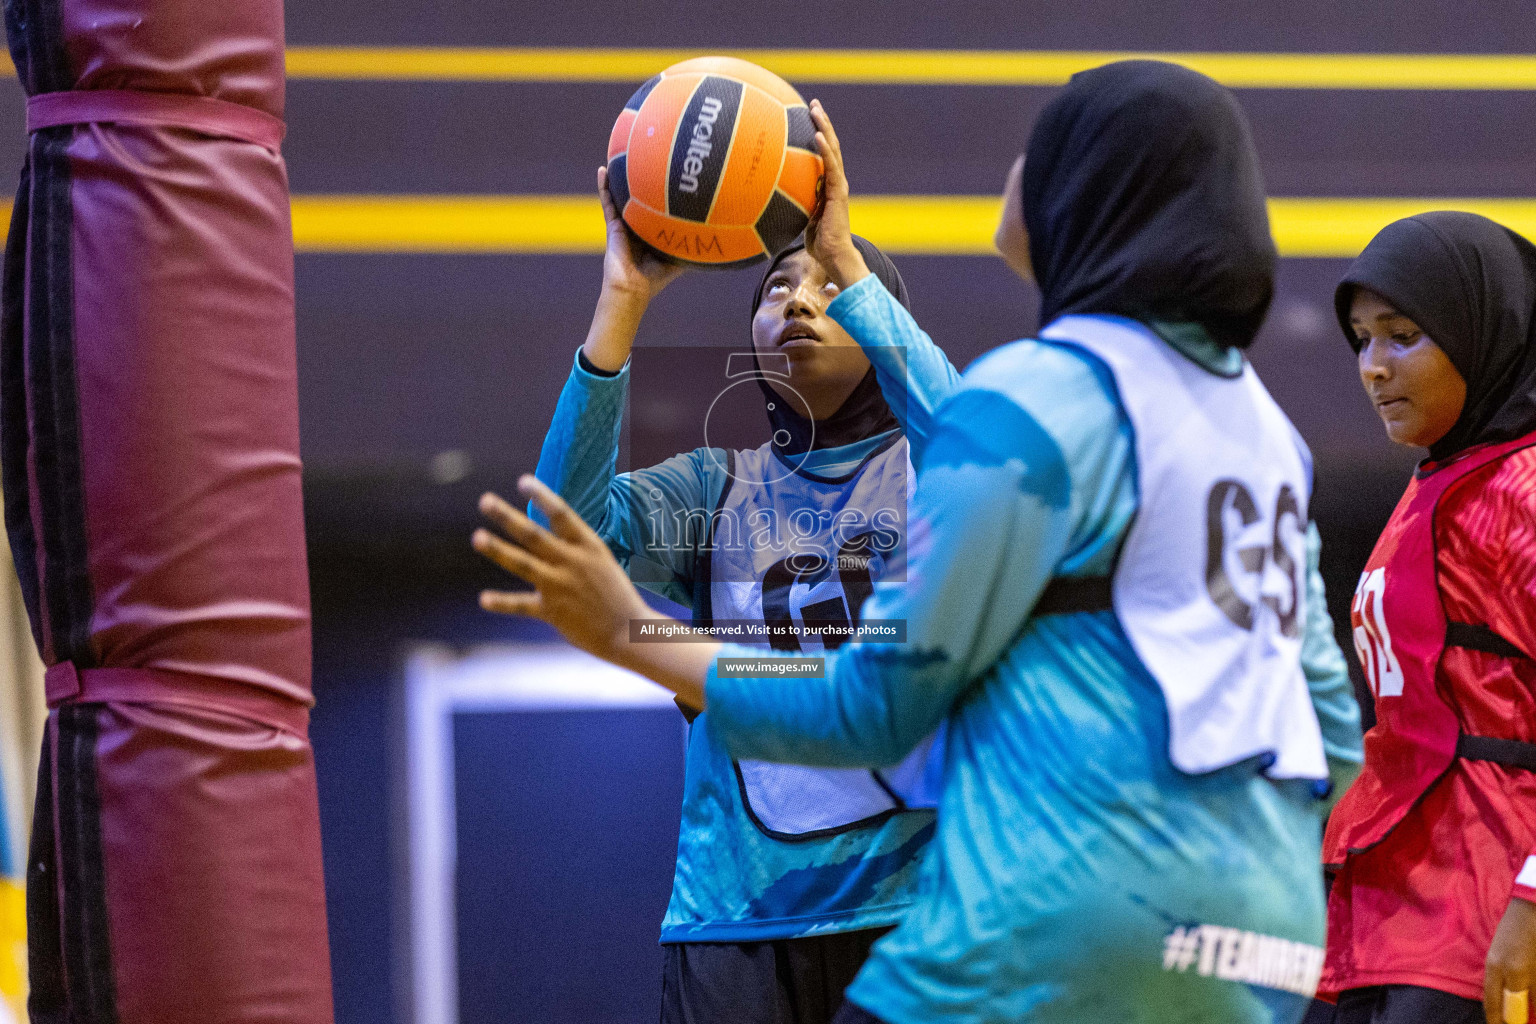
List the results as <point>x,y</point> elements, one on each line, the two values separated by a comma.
<point>914,374</point>
<point>577,460</point>
<point>869,710</point>
<point>615,322</point>
<point>680,667</point>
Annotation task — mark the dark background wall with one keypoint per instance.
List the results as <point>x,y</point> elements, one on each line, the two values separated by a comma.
<point>406,357</point>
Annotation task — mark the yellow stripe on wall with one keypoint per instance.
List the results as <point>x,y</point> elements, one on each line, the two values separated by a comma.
<point>918,225</point>
<point>913,225</point>
<point>914,67</point>
<point>466,224</point>
<point>1443,71</point>
<point>1342,227</point>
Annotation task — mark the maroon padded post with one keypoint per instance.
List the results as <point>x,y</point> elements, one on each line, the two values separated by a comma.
<point>150,454</point>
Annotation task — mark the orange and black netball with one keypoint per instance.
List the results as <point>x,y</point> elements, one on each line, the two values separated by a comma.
<point>713,162</point>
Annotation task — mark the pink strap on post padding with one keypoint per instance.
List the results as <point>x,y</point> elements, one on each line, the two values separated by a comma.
<point>156,109</point>
<point>65,684</point>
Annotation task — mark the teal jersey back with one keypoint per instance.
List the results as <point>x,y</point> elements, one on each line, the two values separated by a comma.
<point>1076,874</point>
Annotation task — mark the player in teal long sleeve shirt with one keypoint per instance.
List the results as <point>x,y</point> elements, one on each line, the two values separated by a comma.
<point>1059,795</point>
<point>733,883</point>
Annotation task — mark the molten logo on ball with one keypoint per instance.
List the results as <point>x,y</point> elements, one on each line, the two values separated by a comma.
<point>700,147</point>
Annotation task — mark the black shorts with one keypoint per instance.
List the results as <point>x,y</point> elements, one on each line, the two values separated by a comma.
<point>851,1014</point>
<point>1397,1004</point>
<point>786,981</point>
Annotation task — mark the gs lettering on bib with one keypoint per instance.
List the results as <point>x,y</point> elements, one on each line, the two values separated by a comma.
<point>791,550</point>
<point>1210,585</point>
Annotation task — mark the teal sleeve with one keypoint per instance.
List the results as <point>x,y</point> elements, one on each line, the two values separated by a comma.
<point>1333,695</point>
<point>652,519</point>
<point>1004,499</point>
<point>914,374</point>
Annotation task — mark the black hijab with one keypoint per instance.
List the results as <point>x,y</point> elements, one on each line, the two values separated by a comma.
<point>1143,197</point>
<point>1470,285</point>
<point>864,413</point>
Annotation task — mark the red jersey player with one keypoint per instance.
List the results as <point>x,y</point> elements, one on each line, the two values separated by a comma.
<point>1432,914</point>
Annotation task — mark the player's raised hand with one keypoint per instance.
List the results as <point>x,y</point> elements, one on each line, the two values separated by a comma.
<point>828,237</point>
<point>579,588</point>
<point>628,266</point>
<point>632,277</point>
<point>1511,965</point>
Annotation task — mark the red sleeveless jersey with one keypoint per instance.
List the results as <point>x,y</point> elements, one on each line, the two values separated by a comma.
<point>1430,847</point>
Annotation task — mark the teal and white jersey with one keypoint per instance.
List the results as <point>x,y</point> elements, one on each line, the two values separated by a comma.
<point>1210,581</point>
<point>790,550</point>
<point>1076,874</point>
<point>733,881</point>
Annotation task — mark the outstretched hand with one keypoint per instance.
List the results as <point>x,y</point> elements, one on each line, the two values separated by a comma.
<point>581,590</point>
<point>828,237</point>
<point>628,266</point>
<point>579,587</point>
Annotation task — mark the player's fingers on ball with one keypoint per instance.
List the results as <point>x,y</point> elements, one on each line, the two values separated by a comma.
<point>823,125</point>
<point>567,525</point>
<point>831,157</point>
<point>834,181</point>
<point>504,602</point>
<point>832,166</point>
<point>818,115</point>
<point>833,142</point>
<point>823,121</point>
<point>605,197</point>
